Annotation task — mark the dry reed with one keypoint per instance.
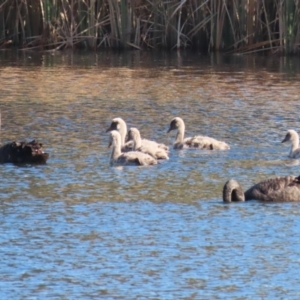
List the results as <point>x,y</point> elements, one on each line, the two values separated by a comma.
<point>244,26</point>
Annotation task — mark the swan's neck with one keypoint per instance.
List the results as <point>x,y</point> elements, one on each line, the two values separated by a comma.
<point>232,191</point>
<point>116,150</point>
<point>295,145</point>
<point>180,133</point>
<point>123,131</point>
<point>137,142</point>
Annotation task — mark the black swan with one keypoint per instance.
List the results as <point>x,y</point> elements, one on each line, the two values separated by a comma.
<point>23,152</point>
<point>274,189</point>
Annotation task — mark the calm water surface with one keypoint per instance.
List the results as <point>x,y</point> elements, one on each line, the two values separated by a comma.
<point>77,228</point>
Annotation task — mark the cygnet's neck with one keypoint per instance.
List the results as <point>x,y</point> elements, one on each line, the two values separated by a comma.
<point>116,149</point>
<point>122,128</point>
<point>137,141</point>
<point>232,191</point>
<point>295,144</point>
<point>180,132</point>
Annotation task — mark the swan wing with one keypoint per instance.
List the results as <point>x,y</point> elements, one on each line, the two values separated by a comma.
<point>296,153</point>
<point>136,158</point>
<point>205,143</point>
<point>276,189</point>
<point>154,151</point>
<point>146,142</point>
<point>128,146</point>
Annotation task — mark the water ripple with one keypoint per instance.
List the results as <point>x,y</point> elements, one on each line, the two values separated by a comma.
<point>78,228</point>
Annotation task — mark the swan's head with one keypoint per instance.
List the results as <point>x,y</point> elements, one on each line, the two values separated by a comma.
<point>114,139</point>
<point>290,136</point>
<point>117,124</point>
<point>232,191</point>
<point>133,134</point>
<point>175,124</point>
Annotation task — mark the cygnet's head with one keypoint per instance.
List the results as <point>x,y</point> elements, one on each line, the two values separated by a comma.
<point>116,124</point>
<point>290,136</point>
<point>133,133</point>
<point>114,138</point>
<point>175,124</point>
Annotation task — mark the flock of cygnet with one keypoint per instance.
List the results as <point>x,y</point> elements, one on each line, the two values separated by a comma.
<point>143,152</point>
<point>138,151</point>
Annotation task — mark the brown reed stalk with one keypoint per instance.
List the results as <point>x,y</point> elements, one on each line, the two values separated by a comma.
<point>137,37</point>
<point>214,25</point>
<point>156,20</point>
<point>281,26</point>
<point>114,16</point>
<point>169,24</point>
<point>2,23</point>
<point>154,24</point>
<point>92,22</point>
<point>250,21</point>
<point>220,24</point>
<point>124,23</point>
<point>292,20</point>
<point>229,17</point>
<point>195,30</point>
<point>178,10</point>
<point>297,28</point>
<point>211,9</point>
<point>267,23</point>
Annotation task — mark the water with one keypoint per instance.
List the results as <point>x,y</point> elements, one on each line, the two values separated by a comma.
<point>77,228</point>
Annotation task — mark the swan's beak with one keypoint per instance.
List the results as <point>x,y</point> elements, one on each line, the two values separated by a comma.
<point>109,129</point>
<point>113,126</point>
<point>285,139</point>
<point>173,125</point>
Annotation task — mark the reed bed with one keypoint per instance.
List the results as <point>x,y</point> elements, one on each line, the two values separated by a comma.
<point>243,26</point>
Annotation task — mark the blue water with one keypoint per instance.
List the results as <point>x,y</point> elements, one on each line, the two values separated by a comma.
<point>78,228</point>
<point>145,250</point>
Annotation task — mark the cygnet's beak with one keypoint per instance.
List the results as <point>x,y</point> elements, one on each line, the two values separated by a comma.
<point>109,129</point>
<point>113,126</point>
<point>287,138</point>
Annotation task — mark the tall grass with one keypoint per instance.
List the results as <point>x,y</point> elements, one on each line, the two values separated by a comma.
<point>244,26</point>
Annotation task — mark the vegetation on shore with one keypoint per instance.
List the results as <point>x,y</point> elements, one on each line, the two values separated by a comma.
<point>244,26</point>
